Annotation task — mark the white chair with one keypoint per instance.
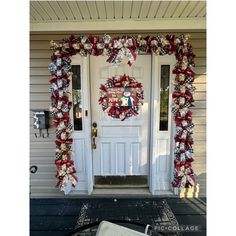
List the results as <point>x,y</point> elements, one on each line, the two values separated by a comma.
<point>106,228</point>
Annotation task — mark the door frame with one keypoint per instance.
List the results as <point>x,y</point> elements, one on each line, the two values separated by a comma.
<point>154,73</point>
<point>157,61</point>
<point>85,134</point>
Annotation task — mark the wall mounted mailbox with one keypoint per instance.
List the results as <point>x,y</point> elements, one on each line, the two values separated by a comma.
<point>41,121</point>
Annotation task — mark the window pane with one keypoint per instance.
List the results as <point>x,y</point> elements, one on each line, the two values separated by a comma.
<point>164,97</point>
<point>76,94</point>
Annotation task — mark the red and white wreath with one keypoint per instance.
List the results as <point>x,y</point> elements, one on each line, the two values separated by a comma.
<point>121,97</point>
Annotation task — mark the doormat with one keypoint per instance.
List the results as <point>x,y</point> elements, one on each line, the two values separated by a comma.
<point>141,211</point>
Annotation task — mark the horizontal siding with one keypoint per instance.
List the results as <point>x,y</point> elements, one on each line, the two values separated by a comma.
<point>42,150</point>
<point>59,36</point>
<point>199,119</point>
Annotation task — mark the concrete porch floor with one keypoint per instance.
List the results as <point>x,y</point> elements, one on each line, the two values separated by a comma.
<point>49,217</point>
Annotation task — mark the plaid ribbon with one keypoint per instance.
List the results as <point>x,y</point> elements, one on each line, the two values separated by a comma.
<point>69,126</point>
<point>162,51</point>
<point>191,126</point>
<point>109,85</point>
<point>58,155</point>
<point>158,38</point>
<point>174,110</point>
<point>58,132</point>
<point>187,105</point>
<point>188,79</point>
<point>179,130</point>
<point>53,113</point>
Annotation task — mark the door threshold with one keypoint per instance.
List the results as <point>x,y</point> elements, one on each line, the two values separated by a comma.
<point>121,191</point>
<point>101,186</point>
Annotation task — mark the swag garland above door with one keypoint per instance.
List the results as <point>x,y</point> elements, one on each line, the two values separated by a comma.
<point>115,49</point>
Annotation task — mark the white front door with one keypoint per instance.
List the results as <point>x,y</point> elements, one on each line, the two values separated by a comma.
<point>122,147</point>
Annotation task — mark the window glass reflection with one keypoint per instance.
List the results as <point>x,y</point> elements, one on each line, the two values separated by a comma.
<point>76,94</point>
<point>164,97</point>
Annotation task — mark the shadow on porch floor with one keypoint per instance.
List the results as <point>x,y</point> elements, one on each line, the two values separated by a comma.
<point>57,217</point>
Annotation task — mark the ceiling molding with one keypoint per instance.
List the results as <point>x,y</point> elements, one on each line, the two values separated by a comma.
<point>118,25</point>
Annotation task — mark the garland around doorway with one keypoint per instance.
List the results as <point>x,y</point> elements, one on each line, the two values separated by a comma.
<point>116,49</point>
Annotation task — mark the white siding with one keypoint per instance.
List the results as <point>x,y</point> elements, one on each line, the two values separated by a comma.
<point>42,150</point>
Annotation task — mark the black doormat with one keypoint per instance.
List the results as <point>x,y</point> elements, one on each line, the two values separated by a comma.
<point>134,181</point>
<point>141,211</point>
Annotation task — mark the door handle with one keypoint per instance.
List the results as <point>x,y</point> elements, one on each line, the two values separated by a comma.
<point>94,135</point>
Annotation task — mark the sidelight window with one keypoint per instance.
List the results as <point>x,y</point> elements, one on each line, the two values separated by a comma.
<point>76,95</point>
<point>164,97</point>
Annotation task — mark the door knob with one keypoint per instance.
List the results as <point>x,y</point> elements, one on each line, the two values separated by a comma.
<point>94,129</point>
<point>94,135</point>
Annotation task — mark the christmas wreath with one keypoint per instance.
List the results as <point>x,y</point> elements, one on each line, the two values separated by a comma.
<point>121,97</point>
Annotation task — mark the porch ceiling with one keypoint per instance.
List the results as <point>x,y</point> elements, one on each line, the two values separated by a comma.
<point>117,15</point>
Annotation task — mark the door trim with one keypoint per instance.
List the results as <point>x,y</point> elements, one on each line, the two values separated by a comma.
<point>155,111</point>
<point>85,134</point>
<point>153,116</point>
